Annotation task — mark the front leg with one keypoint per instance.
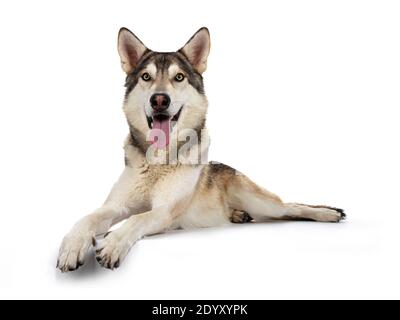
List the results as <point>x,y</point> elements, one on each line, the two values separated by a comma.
<point>79,240</point>
<point>112,250</point>
<point>169,199</point>
<point>120,204</point>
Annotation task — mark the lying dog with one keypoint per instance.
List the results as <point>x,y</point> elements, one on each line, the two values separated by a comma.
<point>167,182</point>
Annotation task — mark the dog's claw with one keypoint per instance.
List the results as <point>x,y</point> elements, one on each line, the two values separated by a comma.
<point>111,250</point>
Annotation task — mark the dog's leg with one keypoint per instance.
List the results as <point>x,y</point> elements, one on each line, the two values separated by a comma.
<point>112,250</point>
<point>170,198</point>
<point>119,206</point>
<point>296,211</point>
<point>78,241</point>
<point>260,204</point>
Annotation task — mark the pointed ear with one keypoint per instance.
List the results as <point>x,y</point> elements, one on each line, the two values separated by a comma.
<point>197,49</point>
<point>130,49</point>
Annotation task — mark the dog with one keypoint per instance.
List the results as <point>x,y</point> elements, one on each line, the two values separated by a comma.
<point>167,182</point>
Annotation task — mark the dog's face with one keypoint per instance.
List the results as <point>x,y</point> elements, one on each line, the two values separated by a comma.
<point>164,91</point>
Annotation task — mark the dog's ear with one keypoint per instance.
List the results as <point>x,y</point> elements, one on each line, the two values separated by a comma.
<point>130,49</point>
<point>197,49</point>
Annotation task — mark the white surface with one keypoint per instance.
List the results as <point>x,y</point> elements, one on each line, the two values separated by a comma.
<point>304,98</point>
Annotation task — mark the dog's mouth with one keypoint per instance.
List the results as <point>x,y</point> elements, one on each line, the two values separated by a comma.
<point>161,125</point>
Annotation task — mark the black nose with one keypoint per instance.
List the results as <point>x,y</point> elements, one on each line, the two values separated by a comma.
<point>160,101</point>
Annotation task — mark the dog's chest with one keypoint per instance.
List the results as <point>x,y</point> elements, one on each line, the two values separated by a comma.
<point>163,184</point>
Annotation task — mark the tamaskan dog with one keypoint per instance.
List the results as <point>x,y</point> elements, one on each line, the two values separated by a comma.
<point>168,182</point>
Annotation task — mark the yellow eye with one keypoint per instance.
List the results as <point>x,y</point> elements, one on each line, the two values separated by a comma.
<point>179,77</point>
<point>146,77</point>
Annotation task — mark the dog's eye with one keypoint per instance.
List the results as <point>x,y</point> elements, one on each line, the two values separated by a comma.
<point>179,77</point>
<point>146,77</point>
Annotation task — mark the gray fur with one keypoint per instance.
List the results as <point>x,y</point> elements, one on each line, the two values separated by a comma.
<point>163,60</point>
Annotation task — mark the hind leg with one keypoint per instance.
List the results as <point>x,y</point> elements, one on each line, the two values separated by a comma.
<point>260,204</point>
<point>297,211</point>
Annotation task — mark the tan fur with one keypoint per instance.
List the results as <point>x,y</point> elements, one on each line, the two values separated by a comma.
<point>153,197</point>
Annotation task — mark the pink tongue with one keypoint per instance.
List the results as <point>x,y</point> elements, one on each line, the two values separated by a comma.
<point>160,136</point>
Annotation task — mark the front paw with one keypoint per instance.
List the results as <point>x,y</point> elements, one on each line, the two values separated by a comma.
<point>112,250</point>
<point>73,251</point>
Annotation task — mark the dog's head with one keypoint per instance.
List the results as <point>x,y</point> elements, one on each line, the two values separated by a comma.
<point>164,91</point>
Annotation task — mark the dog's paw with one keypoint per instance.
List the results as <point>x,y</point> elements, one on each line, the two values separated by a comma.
<point>340,213</point>
<point>73,251</point>
<point>112,250</point>
<point>331,214</point>
<point>240,217</point>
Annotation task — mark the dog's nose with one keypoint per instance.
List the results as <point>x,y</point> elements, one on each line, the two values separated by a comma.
<point>160,101</point>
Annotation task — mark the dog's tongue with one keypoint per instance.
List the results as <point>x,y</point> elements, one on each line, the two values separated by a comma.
<point>162,124</point>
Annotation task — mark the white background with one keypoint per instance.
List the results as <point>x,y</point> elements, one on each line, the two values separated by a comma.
<point>304,99</point>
